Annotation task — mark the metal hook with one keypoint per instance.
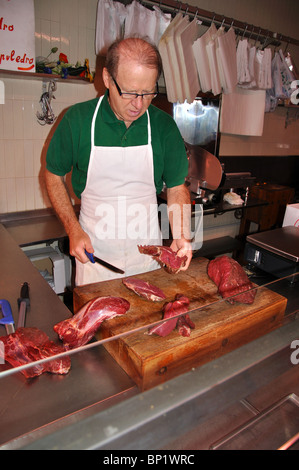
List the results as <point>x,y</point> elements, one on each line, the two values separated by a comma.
<point>251,31</point>
<point>257,38</point>
<point>187,8</point>
<point>223,20</point>
<point>245,31</point>
<point>287,45</point>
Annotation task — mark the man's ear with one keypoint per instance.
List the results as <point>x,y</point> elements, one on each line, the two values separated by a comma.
<point>106,77</point>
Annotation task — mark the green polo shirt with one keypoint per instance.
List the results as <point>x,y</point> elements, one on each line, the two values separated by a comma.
<point>70,146</point>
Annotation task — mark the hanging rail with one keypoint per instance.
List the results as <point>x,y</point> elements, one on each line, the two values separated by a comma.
<point>208,17</point>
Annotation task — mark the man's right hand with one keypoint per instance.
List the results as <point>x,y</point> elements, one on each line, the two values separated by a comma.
<point>79,242</point>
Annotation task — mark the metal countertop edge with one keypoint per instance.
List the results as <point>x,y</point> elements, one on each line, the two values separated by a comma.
<point>102,429</point>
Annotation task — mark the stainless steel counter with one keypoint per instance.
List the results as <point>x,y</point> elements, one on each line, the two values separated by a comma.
<point>29,404</point>
<point>97,405</point>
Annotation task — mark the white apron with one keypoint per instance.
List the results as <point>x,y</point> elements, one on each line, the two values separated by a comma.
<point>119,209</point>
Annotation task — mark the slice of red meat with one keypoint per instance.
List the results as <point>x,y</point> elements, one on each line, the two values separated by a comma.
<point>165,256</point>
<point>171,309</point>
<point>27,345</point>
<point>80,329</point>
<point>231,279</point>
<point>184,325</point>
<point>144,289</point>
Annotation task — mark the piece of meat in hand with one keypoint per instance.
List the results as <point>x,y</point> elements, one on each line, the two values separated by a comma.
<point>79,330</point>
<point>231,279</point>
<point>165,256</point>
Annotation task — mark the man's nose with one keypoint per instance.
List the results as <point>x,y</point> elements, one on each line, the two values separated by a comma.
<point>138,102</point>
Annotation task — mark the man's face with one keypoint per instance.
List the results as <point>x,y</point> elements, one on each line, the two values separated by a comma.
<point>131,77</point>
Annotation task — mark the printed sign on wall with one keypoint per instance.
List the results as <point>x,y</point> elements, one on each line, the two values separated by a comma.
<point>17,35</point>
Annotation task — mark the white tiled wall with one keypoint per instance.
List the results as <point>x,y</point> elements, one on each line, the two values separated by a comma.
<point>69,25</point>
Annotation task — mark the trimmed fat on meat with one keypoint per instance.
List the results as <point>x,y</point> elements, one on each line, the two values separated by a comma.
<point>231,279</point>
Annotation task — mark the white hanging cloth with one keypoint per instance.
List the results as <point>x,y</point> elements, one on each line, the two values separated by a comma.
<point>263,76</point>
<point>146,23</point>
<point>184,40</point>
<point>286,76</point>
<point>242,112</point>
<point>201,58</point>
<point>109,24</point>
<point>243,72</point>
<point>227,60</point>
<point>216,71</point>
<point>169,60</point>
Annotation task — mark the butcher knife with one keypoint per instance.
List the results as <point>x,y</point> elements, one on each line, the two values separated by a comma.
<point>95,259</point>
<point>24,304</point>
<point>7,319</point>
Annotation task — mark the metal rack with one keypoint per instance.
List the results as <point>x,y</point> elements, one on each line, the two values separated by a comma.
<point>208,17</point>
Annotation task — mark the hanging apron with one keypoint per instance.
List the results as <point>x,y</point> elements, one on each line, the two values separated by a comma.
<point>119,209</point>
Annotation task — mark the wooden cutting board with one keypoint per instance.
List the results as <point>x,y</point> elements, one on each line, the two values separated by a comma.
<point>219,326</point>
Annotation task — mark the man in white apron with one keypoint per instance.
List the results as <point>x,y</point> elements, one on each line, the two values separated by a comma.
<point>118,202</point>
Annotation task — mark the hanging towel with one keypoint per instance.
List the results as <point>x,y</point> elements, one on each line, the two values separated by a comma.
<point>286,76</point>
<point>175,58</point>
<point>141,21</point>
<point>109,24</point>
<point>227,60</point>
<point>243,62</point>
<point>263,69</point>
<point>187,65</point>
<point>242,112</point>
<point>202,60</point>
<point>168,71</point>
<point>170,61</point>
<point>211,47</point>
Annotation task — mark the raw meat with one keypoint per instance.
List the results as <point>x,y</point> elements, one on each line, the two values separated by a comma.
<point>184,325</point>
<point>172,309</point>
<point>165,256</point>
<point>79,329</point>
<point>144,289</point>
<point>231,279</point>
<point>31,344</point>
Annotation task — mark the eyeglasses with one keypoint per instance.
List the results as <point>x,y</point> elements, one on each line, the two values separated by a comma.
<point>132,96</point>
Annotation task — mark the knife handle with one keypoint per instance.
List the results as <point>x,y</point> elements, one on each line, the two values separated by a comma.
<point>24,295</point>
<point>6,312</point>
<point>89,256</point>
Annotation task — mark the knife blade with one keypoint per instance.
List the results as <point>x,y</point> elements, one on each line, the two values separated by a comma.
<point>7,319</point>
<point>24,304</point>
<point>95,259</point>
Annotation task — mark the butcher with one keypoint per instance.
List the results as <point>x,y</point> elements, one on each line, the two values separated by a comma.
<point>120,151</point>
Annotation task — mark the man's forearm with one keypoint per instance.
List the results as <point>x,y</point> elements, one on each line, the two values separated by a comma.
<point>61,202</point>
<point>179,212</point>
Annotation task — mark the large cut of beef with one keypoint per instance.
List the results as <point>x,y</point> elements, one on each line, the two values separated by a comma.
<point>231,279</point>
<point>31,344</point>
<point>80,329</point>
<point>170,310</point>
<point>144,289</point>
<point>165,256</point>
